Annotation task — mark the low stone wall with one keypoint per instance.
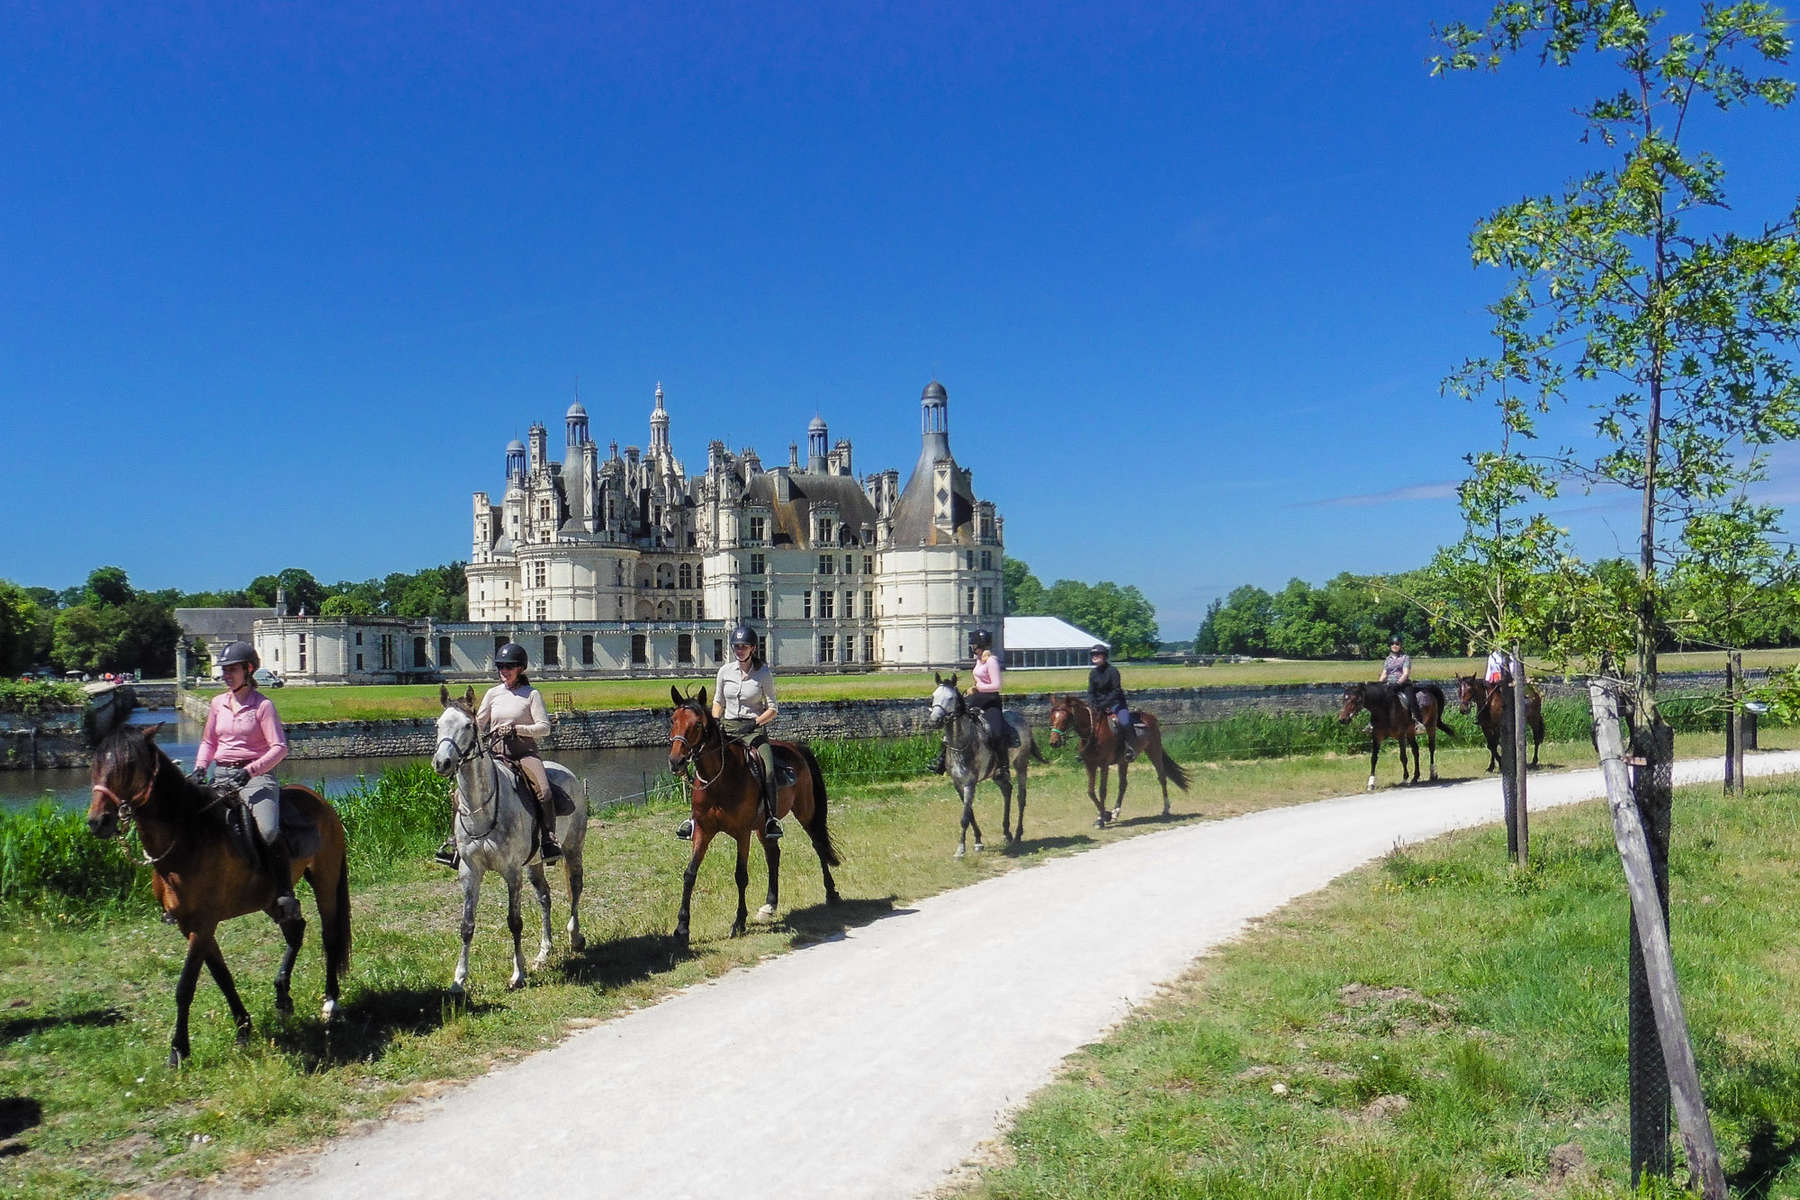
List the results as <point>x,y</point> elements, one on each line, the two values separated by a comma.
<point>52,738</point>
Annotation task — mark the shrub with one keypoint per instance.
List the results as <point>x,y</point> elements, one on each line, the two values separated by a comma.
<point>47,856</point>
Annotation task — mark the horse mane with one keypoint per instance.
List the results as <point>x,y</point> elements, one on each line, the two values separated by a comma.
<point>137,752</point>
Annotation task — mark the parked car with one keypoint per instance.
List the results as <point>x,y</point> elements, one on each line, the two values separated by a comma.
<point>266,678</point>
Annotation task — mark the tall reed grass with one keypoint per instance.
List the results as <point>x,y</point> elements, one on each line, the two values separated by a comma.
<point>48,857</point>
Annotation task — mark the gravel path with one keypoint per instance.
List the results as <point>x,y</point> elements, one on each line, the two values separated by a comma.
<point>926,1028</point>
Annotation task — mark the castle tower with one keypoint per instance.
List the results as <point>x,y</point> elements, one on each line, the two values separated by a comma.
<point>515,461</point>
<point>934,419</point>
<point>576,419</point>
<point>538,437</point>
<point>659,427</point>
<point>815,446</point>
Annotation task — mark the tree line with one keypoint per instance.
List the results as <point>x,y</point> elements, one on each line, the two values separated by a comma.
<point>1120,616</point>
<point>105,624</point>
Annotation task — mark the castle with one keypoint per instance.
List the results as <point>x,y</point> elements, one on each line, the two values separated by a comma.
<point>624,564</point>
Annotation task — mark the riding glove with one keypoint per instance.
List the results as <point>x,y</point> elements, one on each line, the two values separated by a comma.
<point>231,777</point>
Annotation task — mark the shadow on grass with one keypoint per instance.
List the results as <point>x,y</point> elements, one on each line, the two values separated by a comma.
<point>624,960</point>
<point>1034,845</point>
<point>1764,1162</point>
<point>15,1028</point>
<point>17,1114</point>
<point>368,1022</point>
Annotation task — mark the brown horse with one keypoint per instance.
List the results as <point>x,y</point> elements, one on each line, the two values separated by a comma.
<point>201,880</point>
<point>726,799</point>
<point>1388,718</point>
<point>1490,712</point>
<point>1100,749</point>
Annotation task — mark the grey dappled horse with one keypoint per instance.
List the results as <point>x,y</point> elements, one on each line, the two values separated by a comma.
<point>970,760</point>
<point>495,832</point>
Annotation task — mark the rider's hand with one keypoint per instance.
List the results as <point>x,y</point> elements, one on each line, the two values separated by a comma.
<point>233,777</point>
<point>502,729</point>
<point>197,776</point>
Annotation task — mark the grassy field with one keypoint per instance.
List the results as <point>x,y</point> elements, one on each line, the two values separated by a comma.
<point>1443,1025</point>
<point>385,702</point>
<point>91,1109</point>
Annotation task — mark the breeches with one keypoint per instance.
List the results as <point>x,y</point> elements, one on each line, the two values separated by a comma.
<point>524,752</point>
<point>262,795</point>
<point>746,731</point>
<point>987,705</point>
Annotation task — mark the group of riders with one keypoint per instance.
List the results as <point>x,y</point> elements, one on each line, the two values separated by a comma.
<point>1396,672</point>
<point>244,740</point>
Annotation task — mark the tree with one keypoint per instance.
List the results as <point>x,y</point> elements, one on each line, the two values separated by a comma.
<point>346,604</point>
<point>24,630</point>
<point>1022,592</point>
<point>108,585</point>
<point>1300,626</point>
<point>1241,625</point>
<point>1206,638</point>
<point>1630,290</point>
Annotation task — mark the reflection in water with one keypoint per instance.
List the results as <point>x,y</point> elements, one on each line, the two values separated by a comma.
<point>609,773</point>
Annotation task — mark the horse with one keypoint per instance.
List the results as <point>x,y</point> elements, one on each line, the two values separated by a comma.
<point>1389,718</point>
<point>496,832</point>
<point>970,760</point>
<point>1490,712</point>
<point>726,798</point>
<point>201,878</point>
<point>1099,749</point>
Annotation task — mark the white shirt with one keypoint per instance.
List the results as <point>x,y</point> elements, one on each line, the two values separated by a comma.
<point>744,695</point>
<point>521,706</point>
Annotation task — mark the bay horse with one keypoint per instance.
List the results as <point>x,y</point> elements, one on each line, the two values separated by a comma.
<point>1489,700</point>
<point>496,832</point>
<point>1389,718</point>
<point>970,760</point>
<point>1099,749</point>
<point>726,798</point>
<point>200,879</point>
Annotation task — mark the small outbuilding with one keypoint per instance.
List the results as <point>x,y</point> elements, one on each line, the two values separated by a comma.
<point>1033,642</point>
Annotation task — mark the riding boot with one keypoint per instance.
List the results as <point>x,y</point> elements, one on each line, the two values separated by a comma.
<point>938,766</point>
<point>547,847</point>
<point>281,872</point>
<point>772,826</point>
<point>1128,744</point>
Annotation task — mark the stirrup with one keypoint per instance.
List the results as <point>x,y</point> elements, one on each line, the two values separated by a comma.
<point>685,830</point>
<point>548,850</point>
<point>772,829</point>
<point>447,856</point>
<point>287,907</point>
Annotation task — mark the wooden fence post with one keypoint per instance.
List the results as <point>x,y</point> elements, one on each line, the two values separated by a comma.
<point>1652,936</point>
<point>1735,726</point>
<point>1520,813</point>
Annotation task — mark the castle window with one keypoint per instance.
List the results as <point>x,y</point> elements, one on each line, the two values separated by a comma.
<point>543,510</point>
<point>618,572</point>
<point>687,575</point>
<point>827,602</point>
<point>640,650</point>
<point>827,648</point>
<point>700,609</point>
<point>969,559</point>
<point>987,560</point>
<point>687,610</point>
<point>587,649</point>
<point>825,564</point>
<point>849,564</point>
<point>868,647</point>
<point>718,649</point>
<point>699,576</point>
<point>849,648</point>
<point>759,603</point>
<point>543,610</point>
<point>849,604</point>
<point>869,605</point>
<point>758,564</point>
<point>971,608</point>
<point>550,656</point>
<point>684,648</point>
<point>987,600</point>
<point>806,611</point>
<point>868,564</point>
<point>359,665</point>
<point>359,637</point>
<point>756,529</point>
<point>443,652</point>
<point>302,652</point>
<point>538,574</point>
<point>825,529</point>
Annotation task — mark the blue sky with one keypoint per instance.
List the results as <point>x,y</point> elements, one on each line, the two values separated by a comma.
<point>282,281</point>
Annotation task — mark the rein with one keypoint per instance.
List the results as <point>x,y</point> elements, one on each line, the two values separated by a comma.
<point>128,811</point>
<point>691,757</point>
<point>477,750</point>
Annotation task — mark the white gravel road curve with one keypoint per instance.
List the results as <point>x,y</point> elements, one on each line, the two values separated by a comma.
<point>922,1033</point>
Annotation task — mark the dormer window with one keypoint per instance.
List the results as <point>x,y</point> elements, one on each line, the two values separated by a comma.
<point>825,530</point>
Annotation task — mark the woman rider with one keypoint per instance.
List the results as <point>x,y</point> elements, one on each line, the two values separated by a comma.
<point>744,706</point>
<point>514,711</point>
<point>1106,696</point>
<point>1396,671</point>
<point>243,742</point>
<point>984,698</point>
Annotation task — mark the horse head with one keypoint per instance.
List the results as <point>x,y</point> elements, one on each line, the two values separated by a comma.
<point>457,738</point>
<point>123,776</point>
<point>1356,696</point>
<point>1465,691</point>
<point>946,701</point>
<point>688,726</point>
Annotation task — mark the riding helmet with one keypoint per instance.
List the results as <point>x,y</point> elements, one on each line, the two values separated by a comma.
<point>981,639</point>
<point>239,652</point>
<point>510,655</point>
<point>1100,648</point>
<point>743,635</point>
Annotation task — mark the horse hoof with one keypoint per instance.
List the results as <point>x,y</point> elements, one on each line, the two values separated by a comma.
<point>739,930</point>
<point>1371,786</point>
<point>458,993</point>
<point>284,1005</point>
<point>516,982</point>
<point>243,1035</point>
<point>577,943</point>
<point>978,847</point>
<point>175,1057</point>
<point>537,964</point>
<point>328,1011</point>
<point>765,912</point>
<point>833,899</point>
<point>959,852</point>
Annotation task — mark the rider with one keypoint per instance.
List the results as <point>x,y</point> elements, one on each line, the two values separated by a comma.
<point>244,741</point>
<point>1396,671</point>
<point>1106,696</point>
<point>984,698</point>
<point>513,710</point>
<point>1499,665</point>
<point>744,706</point>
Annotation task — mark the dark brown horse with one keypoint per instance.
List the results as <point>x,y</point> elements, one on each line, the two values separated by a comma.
<point>1099,749</point>
<point>726,799</point>
<point>1388,718</point>
<point>1489,700</point>
<point>201,880</point>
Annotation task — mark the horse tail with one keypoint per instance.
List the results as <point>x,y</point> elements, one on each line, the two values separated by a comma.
<point>1443,706</point>
<point>1176,773</point>
<point>337,931</point>
<point>1031,742</point>
<point>816,828</point>
<point>334,926</point>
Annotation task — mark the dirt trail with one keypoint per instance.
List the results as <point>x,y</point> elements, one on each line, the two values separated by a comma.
<point>923,1031</point>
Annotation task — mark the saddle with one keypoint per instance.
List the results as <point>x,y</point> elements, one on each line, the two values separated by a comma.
<point>299,832</point>
<point>785,775</point>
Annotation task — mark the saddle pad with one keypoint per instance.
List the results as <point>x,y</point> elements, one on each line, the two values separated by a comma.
<point>564,805</point>
<point>299,833</point>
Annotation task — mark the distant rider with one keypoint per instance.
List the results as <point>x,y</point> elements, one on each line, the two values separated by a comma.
<point>1499,666</point>
<point>243,742</point>
<point>1396,671</point>
<point>744,706</point>
<point>1106,697</point>
<point>514,711</point>
<point>984,698</point>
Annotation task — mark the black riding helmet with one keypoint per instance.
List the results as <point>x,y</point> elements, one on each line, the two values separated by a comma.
<point>510,655</point>
<point>239,652</point>
<point>1100,649</point>
<point>981,639</point>
<point>743,635</point>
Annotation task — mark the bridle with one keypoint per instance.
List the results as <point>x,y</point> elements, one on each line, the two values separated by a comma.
<point>476,750</point>
<point>127,810</point>
<point>691,752</point>
<point>1074,729</point>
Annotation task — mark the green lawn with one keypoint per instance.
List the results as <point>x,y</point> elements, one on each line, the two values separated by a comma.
<point>389,701</point>
<point>89,991</point>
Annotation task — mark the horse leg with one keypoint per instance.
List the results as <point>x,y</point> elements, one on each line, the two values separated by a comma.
<point>515,925</point>
<point>240,1016</point>
<point>968,819</point>
<point>471,885</point>
<point>1119,800</point>
<point>702,839</point>
<point>742,875</point>
<point>295,933</point>
<point>573,869</point>
<point>1374,757</point>
<point>1022,789</point>
<point>184,993</point>
<point>1431,741</point>
<point>772,853</point>
<point>1004,781</point>
<point>540,886</point>
<point>1155,754</point>
<point>1099,801</point>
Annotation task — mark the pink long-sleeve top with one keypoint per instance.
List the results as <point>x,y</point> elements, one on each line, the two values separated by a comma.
<point>249,732</point>
<point>987,674</point>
